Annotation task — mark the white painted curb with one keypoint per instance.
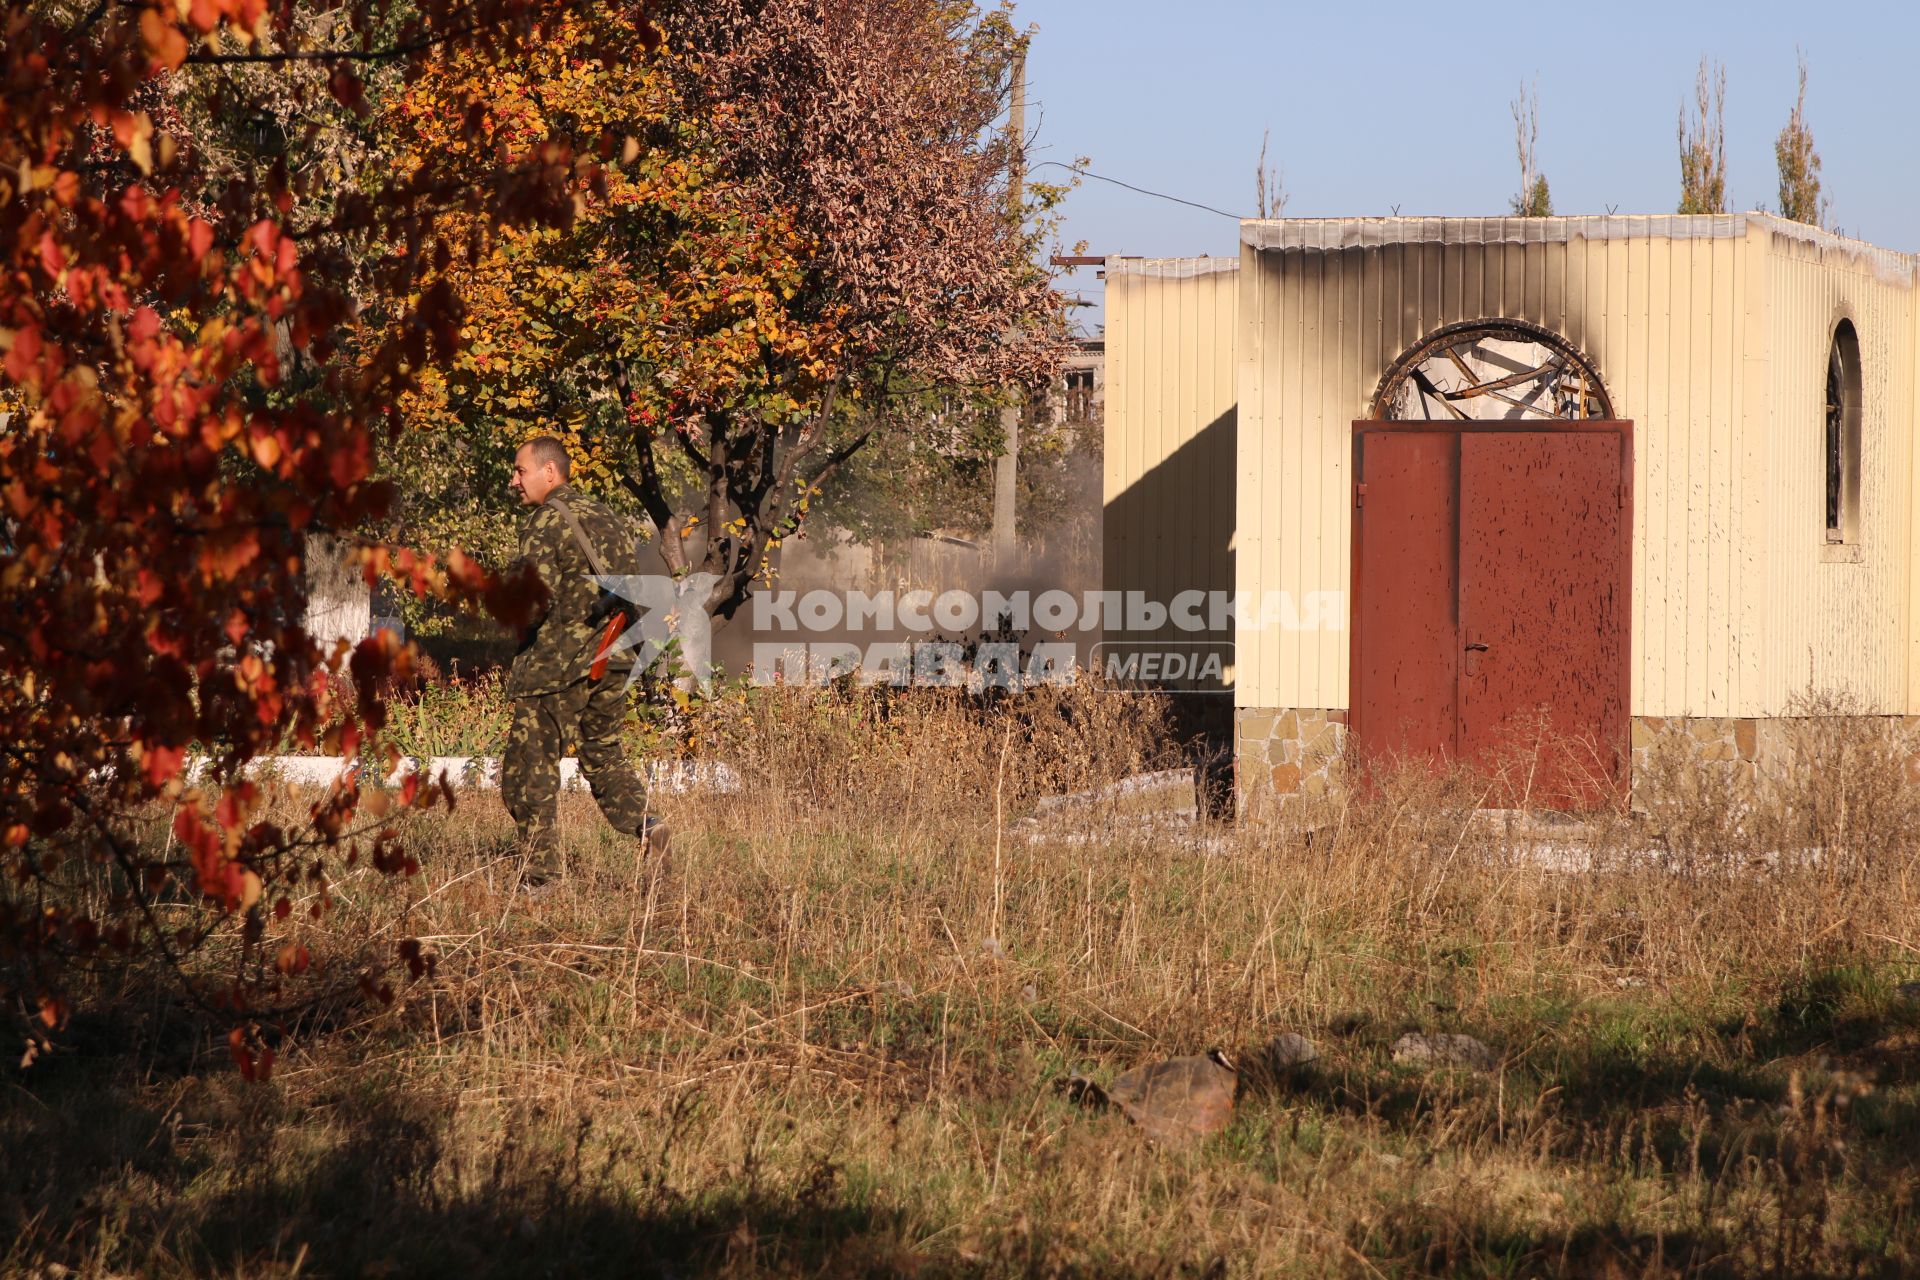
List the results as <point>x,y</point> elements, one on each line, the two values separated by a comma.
<point>482,773</point>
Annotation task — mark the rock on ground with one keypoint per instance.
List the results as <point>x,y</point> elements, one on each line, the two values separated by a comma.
<point>1291,1049</point>
<point>1179,1100</point>
<point>1444,1049</point>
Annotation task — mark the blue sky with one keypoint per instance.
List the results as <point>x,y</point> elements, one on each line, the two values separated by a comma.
<point>1382,104</point>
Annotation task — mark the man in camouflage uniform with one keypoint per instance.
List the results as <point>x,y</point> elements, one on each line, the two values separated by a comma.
<point>555,701</point>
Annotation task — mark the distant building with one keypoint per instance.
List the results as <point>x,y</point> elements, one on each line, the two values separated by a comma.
<point>1080,393</point>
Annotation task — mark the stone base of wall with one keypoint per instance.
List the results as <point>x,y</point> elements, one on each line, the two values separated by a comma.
<point>1283,754</point>
<point>1728,742</point>
<point>1751,749</point>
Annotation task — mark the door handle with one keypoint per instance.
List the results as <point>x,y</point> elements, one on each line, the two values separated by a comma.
<point>1474,646</point>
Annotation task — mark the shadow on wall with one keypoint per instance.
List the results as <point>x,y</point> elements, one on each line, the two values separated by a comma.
<point>1172,531</point>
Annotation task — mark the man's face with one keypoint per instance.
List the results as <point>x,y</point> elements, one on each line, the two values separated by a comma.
<point>532,481</point>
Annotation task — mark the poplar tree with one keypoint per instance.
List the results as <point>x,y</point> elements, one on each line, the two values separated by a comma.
<point>1800,196</point>
<point>1703,144</point>
<point>1533,200</point>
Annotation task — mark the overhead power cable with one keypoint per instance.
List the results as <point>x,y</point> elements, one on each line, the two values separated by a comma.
<point>1158,195</point>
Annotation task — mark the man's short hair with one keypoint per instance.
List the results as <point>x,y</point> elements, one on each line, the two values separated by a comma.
<point>544,449</point>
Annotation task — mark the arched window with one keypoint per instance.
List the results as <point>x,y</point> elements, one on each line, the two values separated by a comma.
<point>1504,369</point>
<point>1843,436</point>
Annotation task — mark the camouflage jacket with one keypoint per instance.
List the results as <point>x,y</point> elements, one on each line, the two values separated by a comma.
<point>557,647</point>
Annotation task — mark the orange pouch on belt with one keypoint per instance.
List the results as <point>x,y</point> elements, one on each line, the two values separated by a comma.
<point>615,625</point>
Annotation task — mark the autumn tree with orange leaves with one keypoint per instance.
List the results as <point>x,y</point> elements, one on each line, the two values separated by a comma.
<point>666,268</point>
<point>803,227</point>
<point>179,417</point>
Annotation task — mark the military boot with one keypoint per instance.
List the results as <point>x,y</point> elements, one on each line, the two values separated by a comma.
<point>540,870</point>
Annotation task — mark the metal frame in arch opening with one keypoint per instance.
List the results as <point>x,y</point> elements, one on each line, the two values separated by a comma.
<point>1481,370</point>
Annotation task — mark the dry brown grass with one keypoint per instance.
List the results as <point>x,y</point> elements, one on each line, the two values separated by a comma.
<point>827,1040</point>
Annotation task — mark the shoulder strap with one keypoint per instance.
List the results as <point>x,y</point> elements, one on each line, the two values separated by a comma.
<point>579,535</point>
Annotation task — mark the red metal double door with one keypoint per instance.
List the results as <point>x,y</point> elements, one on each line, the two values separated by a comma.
<point>1491,603</point>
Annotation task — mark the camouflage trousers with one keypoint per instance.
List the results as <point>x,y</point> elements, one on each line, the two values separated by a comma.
<point>589,713</point>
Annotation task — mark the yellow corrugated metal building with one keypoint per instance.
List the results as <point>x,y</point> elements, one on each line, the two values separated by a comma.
<point>1169,513</point>
<point>1233,390</point>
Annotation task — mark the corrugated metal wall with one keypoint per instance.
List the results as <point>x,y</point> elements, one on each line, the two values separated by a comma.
<point>1170,425</point>
<point>1837,618</point>
<point>1913,509</point>
<point>1675,313</point>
